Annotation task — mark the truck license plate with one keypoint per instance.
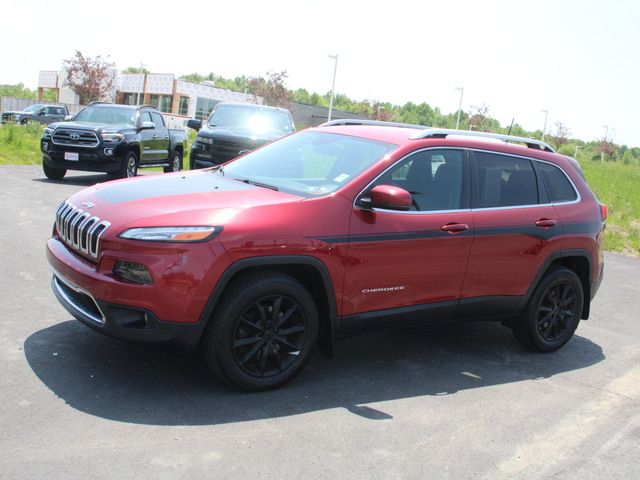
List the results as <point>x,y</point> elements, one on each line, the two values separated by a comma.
<point>71,156</point>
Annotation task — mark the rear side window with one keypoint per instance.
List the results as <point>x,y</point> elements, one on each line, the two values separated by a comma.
<point>504,181</point>
<point>557,184</point>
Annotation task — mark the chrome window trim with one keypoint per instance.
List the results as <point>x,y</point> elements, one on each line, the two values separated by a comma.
<point>59,278</point>
<point>466,210</point>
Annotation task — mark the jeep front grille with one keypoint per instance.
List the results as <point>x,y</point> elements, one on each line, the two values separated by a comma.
<point>79,229</point>
<point>75,138</point>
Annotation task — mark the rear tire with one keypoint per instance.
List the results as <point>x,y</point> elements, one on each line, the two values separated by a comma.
<point>263,333</point>
<point>553,312</point>
<point>53,173</point>
<point>175,165</point>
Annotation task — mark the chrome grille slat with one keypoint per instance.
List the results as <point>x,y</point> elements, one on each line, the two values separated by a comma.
<point>79,229</point>
<point>81,138</point>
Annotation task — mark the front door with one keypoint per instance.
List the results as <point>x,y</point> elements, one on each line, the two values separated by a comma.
<point>412,260</point>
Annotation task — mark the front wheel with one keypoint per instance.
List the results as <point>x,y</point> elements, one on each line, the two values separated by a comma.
<point>175,165</point>
<point>263,333</point>
<point>53,173</point>
<point>552,313</point>
<point>129,166</point>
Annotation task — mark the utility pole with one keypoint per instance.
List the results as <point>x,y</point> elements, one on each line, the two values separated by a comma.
<point>461,89</point>
<point>575,155</point>
<point>144,78</point>
<point>606,134</point>
<point>333,84</point>
<point>544,129</point>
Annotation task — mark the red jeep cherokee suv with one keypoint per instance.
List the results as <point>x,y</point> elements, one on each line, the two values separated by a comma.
<point>335,229</point>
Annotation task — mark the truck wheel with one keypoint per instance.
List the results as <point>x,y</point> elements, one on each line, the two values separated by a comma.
<point>552,313</point>
<point>53,173</point>
<point>129,167</point>
<point>175,164</point>
<point>263,333</point>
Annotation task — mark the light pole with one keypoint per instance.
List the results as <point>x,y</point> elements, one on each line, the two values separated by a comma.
<point>461,89</point>
<point>380,107</point>
<point>143,80</point>
<point>575,155</point>
<point>606,134</point>
<point>544,129</point>
<point>333,84</point>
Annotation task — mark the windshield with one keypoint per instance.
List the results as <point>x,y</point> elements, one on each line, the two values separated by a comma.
<point>109,115</point>
<point>256,118</point>
<point>309,163</point>
<point>34,108</point>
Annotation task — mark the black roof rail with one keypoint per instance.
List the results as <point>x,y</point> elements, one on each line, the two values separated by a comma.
<point>444,132</point>
<point>357,121</point>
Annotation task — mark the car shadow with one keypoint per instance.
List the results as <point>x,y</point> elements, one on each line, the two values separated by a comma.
<point>79,180</point>
<point>157,386</point>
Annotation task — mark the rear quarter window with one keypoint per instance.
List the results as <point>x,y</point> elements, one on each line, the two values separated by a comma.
<point>558,186</point>
<point>504,181</point>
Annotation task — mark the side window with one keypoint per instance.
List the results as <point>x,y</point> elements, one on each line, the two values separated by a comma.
<point>557,184</point>
<point>504,181</point>
<point>433,177</point>
<point>144,117</point>
<point>157,119</point>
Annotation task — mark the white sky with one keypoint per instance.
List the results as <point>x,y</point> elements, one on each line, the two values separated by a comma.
<point>578,59</point>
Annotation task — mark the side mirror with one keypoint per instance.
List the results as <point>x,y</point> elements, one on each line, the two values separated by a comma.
<point>387,197</point>
<point>42,111</point>
<point>68,118</point>
<point>195,124</point>
<point>147,126</point>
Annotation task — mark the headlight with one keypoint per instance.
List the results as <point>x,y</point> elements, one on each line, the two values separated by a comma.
<point>48,132</point>
<point>112,137</point>
<point>208,141</point>
<point>172,234</point>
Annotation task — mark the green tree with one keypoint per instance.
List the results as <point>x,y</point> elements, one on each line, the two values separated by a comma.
<point>136,70</point>
<point>16,91</point>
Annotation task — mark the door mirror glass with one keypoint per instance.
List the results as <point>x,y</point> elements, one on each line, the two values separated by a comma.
<point>195,124</point>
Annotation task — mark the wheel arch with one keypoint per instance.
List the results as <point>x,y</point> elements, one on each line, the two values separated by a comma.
<point>578,261</point>
<point>309,271</point>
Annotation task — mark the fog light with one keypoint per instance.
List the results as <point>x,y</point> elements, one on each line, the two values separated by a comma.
<point>133,272</point>
<point>45,146</point>
<point>108,152</point>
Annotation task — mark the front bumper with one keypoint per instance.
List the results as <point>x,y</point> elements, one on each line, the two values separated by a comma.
<point>169,311</point>
<point>89,159</point>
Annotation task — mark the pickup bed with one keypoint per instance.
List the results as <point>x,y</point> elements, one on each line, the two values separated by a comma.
<point>115,139</point>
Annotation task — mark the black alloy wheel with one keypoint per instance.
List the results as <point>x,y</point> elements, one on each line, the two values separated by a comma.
<point>129,166</point>
<point>53,173</point>
<point>553,312</point>
<point>269,335</point>
<point>262,333</point>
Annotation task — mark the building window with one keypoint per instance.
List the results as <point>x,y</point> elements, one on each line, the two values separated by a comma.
<point>131,98</point>
<point>154,100</point>
<point>183,109</point>
<point>166,102</point>
<point>204,106</point>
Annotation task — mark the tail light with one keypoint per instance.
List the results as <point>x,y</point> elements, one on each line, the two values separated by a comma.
<point>603,211</point>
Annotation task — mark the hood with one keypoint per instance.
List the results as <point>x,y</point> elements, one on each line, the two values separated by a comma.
<point>94,127</point>
<point>195,198</point>
<point>238,134</point>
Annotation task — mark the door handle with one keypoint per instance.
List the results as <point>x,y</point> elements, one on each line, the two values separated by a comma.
<point>546,223</point>
<point>154,136</point>
<point>166,136</point>
<point>454,227</point>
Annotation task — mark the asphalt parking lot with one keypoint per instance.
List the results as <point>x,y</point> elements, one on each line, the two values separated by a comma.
<point>459,402</point>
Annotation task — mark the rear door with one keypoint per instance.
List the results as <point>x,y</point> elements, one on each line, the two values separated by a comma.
<point>413,260</point>
<point>160,137</point>
<point>514,226</point>
<point>147,139</point>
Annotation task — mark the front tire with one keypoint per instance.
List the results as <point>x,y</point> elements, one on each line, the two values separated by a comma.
<point>176,163</point>
<point>53,173</point>
<point>553,312</point>
<point>129,167</point>
<point>263,333</point>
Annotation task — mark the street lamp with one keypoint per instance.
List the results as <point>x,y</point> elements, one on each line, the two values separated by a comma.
<point>333,84</point>
<point>380,107</point>
<point>544,129</point>
<point>142,65</point>
<point>461,89</point>
<point>606,134</point>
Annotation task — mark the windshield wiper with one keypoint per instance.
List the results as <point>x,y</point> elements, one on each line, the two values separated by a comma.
<point>258,184</point>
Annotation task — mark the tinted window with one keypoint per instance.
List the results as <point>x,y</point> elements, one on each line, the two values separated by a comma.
<point>504,181</point>
<point>557,184</point>
<point>110,115</point>
<point>157,119</point>
<point>433,177</point>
